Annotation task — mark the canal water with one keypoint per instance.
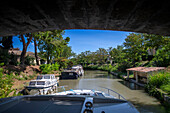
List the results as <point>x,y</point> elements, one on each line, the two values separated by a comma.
<point>94,79</point>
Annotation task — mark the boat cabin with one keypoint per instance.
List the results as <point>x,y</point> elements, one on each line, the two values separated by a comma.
<point>46,76</point>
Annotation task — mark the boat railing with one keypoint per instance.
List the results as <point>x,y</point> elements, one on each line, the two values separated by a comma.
<point>107,91</point>
<point>113,93</point>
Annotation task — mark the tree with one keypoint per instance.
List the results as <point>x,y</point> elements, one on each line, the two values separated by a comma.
<point>36,38</point>
<point>161,44</point>
<point>51,44</point>
<point>155,41</point>
<point>134,47</point>
<point>101,55</point>
<point>35,50</point>
<point>162,57</point>
<point>117,54</point>
<point>25,45</point>
<point>6,44</point>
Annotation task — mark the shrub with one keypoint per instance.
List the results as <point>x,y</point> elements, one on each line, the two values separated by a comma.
<point>6,83</point>
<point>29,60</point>
<point>55,67</point>
<point>48,68</point>
<point>166,88</point>
<point>114,69</point>
<point>159,79</point>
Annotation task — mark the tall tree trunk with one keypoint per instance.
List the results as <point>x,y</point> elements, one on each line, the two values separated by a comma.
<point>35,47</point>
<point>22,59</point>
<point>25,45</point>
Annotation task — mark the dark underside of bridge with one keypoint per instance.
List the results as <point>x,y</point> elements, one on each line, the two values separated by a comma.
<point>145,16</point>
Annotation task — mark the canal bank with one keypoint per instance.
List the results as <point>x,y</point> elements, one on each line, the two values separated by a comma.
<point>93,79</point>
<point>162,95</point>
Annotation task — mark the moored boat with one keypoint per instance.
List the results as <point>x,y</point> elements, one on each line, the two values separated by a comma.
<point>44,84</point>
<point>72,73</point>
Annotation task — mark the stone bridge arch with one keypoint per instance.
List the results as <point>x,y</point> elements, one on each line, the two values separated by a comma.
<point>144,16</point>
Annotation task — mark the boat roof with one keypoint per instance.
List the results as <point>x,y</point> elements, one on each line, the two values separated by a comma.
<point>42,80</point>
<point>47,75</point>
<point>63,104</point>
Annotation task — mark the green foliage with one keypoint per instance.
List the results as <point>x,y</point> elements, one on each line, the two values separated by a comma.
<point>159,80</point>
<point>55,66</point>
<point>114,68</point>
<point>48,68</point>
<point>52,45</point>
<point>134,47</point>
<point>162,57</point>
<point>108,68</point>
<point>132,53</point>
<point>29,60</point>
<point>88,57</point>
<point>4,56</point>
<point>6,83</point>
<point>166,88</point>
<point>13,59</point>
<point>2,64</point>
<point>45,68</point>
<point>63,63</point>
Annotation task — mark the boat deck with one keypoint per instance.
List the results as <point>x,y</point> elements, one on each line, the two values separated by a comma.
<point>63,104</point>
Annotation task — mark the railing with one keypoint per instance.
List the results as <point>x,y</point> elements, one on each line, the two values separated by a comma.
<point>107,91</point>
<point>115,94</point>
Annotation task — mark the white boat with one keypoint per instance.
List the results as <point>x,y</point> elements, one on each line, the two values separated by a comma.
<point>73,73</point>
<point>80,69</point>
<point>72,101</point>
<point>44,84</point>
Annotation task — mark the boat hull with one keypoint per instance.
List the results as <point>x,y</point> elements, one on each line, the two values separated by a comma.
<point>69,75</point>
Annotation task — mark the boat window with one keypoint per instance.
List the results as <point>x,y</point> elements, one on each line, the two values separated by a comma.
<point>39,77</point>
<point>46,77</point>
<point>100,95</point>
<point>40,83</point>
<point>48,83</point>
<point>32,83</point>
<point>70,94</point>
<point>84,94</point>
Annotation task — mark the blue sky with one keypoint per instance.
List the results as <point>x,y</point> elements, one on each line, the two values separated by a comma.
<point>83,40</point>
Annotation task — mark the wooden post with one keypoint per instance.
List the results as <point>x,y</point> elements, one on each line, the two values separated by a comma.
<point>136,77</point>
<point>128,75</point>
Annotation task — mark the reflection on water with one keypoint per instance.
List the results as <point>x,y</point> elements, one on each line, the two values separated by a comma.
<point>131,85</point>
<point>93,79</point>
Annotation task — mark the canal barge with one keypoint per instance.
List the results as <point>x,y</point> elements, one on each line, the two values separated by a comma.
<point>72,73</point>
<point>44,84</point>
<point>72,101</point>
